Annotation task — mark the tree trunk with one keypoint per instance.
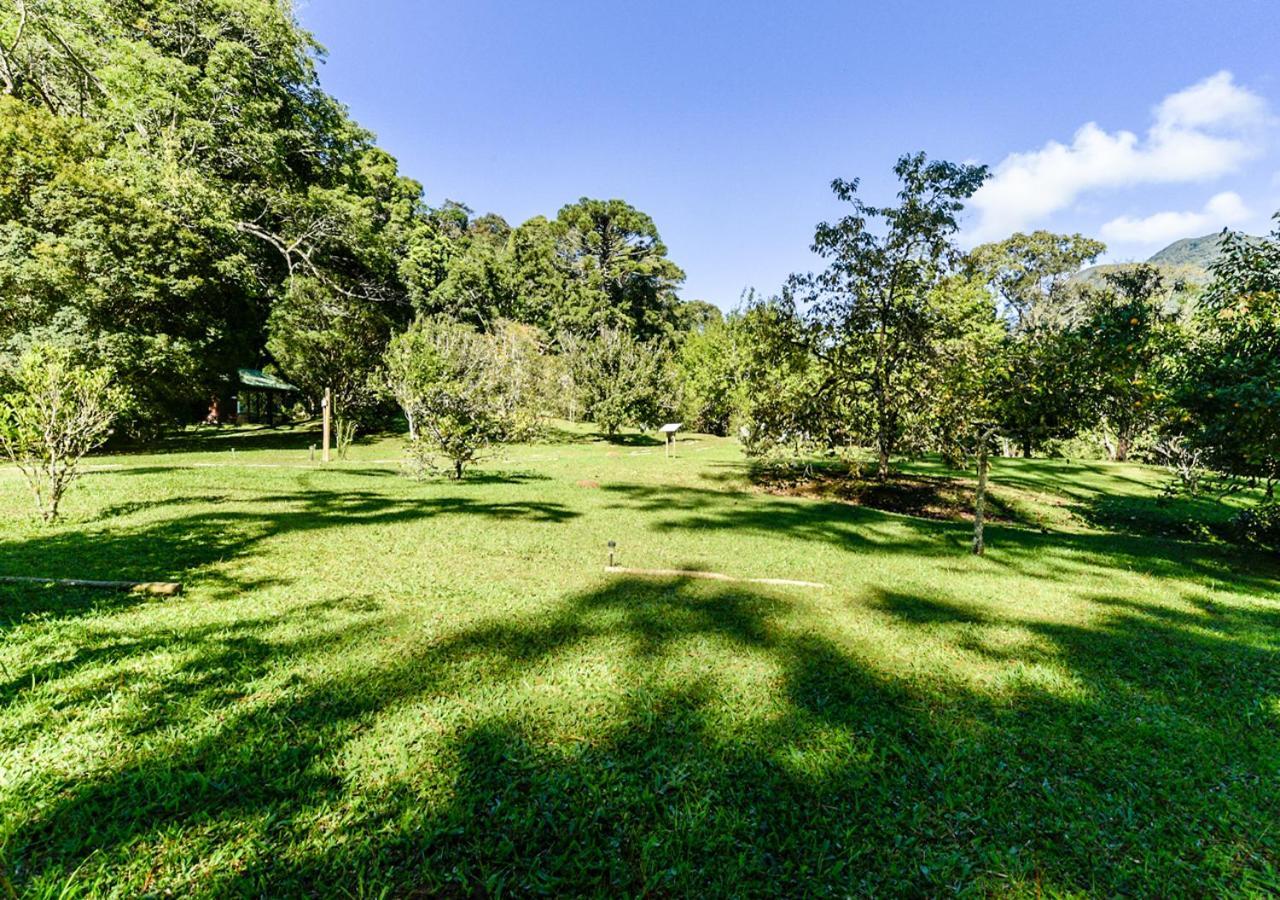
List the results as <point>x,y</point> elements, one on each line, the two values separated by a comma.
<point>980,500</point>
<point>1120,451</point>
<point>1026,446</point>
<point>882,462</point>
<point>457,470</point>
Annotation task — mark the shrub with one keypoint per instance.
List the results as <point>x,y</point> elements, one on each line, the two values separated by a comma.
<point>461,391</point>
<point>57,412</point>
<point>621,381</point>
<point>1259,525</point>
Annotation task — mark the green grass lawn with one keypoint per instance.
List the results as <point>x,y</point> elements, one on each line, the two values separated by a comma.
<point>379,687</point>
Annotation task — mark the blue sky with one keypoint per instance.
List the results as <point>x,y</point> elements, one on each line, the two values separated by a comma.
<point>726,122</point>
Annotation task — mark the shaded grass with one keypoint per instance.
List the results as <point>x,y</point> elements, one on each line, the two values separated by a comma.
<point>1059,495</point>
<point>379,687</point>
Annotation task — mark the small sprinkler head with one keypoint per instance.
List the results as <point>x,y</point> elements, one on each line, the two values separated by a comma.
<point>613,545</point>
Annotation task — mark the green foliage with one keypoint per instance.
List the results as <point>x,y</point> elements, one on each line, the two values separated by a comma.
<point>89,258</point>
<point>1229,385</point>
<point>696,316</point>
<point>55,412</point>
<point>781,410</point>
<point>166,169</point>
<point>1258,525</point>
<point>968,339</point>
<point>1043,386</point>
<point>324,339</point>
<point>425,264</point>
<point>870,307</point>
<point>615,251</point>
<point>543,290</point>
<point>620,380</point>
<point>529,376</point>
<point>173,182</point>
<point>463,391</point>
<point>1131,344</point>
<point>1031,275</point>
<point>708,370</point>
<point>477,286</point>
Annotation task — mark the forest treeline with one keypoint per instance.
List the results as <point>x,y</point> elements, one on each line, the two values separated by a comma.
<point>178,195</point>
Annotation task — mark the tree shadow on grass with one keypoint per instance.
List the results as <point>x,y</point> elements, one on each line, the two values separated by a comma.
<point>638,439</point>
<point>947,497</point>
<point>934,490</point>
<point>193,545</point>
<point>554,435</point>
<point>1058,557</point>
<point>244,438</point>
<point>833,775</point>
<point>925,611</point>
<point>1180,518</point>
<point>499,476</point>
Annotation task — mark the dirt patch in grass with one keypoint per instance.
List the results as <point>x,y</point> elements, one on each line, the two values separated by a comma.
<point>925,496</point>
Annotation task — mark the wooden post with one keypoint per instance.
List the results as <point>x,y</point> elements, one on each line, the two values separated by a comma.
<point>327,406</point>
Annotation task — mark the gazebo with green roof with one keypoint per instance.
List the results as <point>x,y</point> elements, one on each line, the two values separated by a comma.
<point>256,395</point>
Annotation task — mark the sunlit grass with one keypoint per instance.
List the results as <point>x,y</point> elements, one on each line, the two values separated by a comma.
<point>375,686</point>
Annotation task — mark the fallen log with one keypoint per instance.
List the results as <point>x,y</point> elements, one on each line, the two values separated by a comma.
<point>712,576</point>
<point>157,588</point>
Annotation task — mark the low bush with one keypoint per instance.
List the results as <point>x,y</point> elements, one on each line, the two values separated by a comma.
<point>1258,525</point>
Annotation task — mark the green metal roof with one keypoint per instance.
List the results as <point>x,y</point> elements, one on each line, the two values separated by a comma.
<point>256,378</point>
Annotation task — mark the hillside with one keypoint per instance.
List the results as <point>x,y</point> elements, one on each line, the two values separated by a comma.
<point>1197,252</point>
<point>1186,260</point>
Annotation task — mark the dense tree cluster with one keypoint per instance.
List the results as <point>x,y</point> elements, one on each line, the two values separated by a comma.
<point>904,344</point>
<point>179,198</point>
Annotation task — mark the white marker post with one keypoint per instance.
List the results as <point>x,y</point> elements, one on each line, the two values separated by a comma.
<point>669,430</point>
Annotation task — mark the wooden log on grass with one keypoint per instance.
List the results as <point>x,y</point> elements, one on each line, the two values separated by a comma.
<point>156,588</point>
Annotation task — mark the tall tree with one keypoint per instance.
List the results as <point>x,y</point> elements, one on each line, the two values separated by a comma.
<point>542,290</point>
<point>779,407</point>
<point>327,340</point>
<point>1229,391</point>
<point>1044,387</point>
<point>710,378</point>
<point>1030,272</point>
<point>967,346</point>
<point>870,307</point>
<point>477,286</point>
<point>1130,340</point>
<point>616,251</point>
<point>171,167</point>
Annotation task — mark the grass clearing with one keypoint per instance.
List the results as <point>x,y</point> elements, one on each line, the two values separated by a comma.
<point>378,687</point>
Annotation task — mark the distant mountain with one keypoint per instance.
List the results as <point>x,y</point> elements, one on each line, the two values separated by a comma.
<point>1185,260</point>
<point>1199,252</point>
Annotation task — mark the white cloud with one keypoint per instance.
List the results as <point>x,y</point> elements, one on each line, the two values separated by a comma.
<point>1222,210</point>
<point>1205,131</point>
